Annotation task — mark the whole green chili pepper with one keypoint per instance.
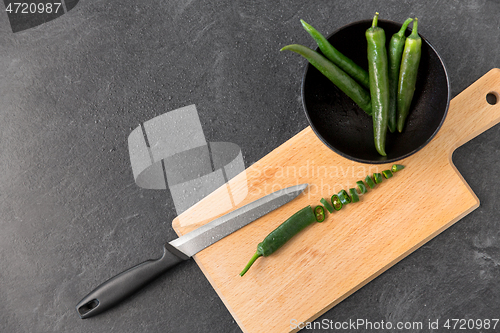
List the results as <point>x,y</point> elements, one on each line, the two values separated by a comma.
<point>346,64</point>
<point>396,46</point>
<point>282,234</point>
<point>408,74</point>
<point>340,78</point>
<point>319,212</point>
<point>379,83</point>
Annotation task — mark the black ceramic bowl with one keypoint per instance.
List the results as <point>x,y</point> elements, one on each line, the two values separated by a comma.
<point>347,129</point>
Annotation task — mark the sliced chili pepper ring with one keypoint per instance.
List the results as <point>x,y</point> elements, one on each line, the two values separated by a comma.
<point>387,174</point>
<point>369,182</point>
<point>354,195</point>
<point>344,197</point>
<point>319,212</point>
<point>377,177</point>
<point>361,187</point>
<point>337,205</point>
<point>327,205</point>
<point>397,167</point>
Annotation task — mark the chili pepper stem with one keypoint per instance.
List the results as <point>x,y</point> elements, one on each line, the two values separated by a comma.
<point>375,20</point>
<point>250,263</point>
<point>405,25</point>
<point>414,32</point>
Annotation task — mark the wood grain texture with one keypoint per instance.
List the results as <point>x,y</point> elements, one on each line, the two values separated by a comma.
<point>329,261</point>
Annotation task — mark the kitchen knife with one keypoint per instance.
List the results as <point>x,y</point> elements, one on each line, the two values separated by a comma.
<point>128,282</point>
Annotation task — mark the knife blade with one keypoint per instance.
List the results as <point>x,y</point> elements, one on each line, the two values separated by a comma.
<point>116,289</point>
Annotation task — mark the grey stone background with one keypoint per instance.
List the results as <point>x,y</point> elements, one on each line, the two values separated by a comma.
<point>71,90</point>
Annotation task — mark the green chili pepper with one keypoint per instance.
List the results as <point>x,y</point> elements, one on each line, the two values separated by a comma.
<point>387,174</point>
<point>346,64</point>
<point>354,195</point>
<point>396,46</point>
<point>344,197</point>
<point>338,77</point>
<point>283,233</point>
<point>362,187</point>
<point>319,211</point>
<point>327,205</point>
<point>408,74</point>
<point>337,205</point>
<point>379,83</point>
<point>377,177</point>
<point>369,182</point>
<point>397,167</point>
<point>306,216</point>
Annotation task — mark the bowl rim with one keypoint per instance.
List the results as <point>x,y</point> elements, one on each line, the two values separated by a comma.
<point>381,161</point>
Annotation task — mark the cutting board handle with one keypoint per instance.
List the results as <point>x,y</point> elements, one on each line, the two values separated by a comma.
<point>481,112</point>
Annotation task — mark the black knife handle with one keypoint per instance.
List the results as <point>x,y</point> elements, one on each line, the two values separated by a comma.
<point>128,282</point>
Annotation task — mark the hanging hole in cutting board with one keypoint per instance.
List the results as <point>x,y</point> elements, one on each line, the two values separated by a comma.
<point>492,97</point>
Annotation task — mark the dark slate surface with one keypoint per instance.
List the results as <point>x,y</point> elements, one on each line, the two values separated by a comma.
<point>71,215</point>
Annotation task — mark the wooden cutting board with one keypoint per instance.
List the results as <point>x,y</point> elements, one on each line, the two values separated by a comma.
<point>329,261</point>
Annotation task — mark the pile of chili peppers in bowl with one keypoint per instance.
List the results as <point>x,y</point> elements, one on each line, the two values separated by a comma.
<point>373,91</point>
